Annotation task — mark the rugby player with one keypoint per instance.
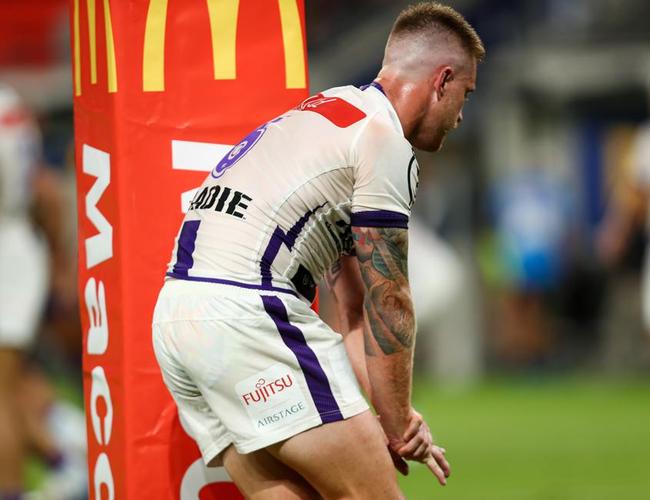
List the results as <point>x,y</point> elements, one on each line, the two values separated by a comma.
<point>261,382</point>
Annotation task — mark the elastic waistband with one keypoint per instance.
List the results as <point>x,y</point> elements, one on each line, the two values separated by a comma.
<point>213,285</point>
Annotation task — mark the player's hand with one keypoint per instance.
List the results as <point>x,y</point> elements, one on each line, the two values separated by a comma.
<point>400,464</point>
<point>416,440</point>
<point>437,463</point>
<point>417,444</point>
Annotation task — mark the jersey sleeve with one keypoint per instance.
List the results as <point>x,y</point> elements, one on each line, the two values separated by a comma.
<point>386,177</point>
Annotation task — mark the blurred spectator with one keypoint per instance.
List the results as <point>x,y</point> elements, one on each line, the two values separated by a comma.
<point>30,246</point>
<point>533,221</point>
<point>628,212</point>
<point>23,279</point>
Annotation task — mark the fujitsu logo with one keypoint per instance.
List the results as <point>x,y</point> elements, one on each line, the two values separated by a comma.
<point>266,390</point>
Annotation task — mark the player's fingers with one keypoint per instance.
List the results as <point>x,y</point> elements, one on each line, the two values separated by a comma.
<point>412,429</point>
<point>427,432</point>
<point>402,466</point>
<point>421,453</point>
<point>437,471</point>
<point>409,448</point>
<point>439,456</point>
<point>399,463</point>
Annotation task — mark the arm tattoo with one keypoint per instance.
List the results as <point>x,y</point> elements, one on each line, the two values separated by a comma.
<point>382,255</point>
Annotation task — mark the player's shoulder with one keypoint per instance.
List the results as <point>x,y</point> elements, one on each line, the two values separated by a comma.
<point>363,116</point>
<point>371,100</point>
<point>380,129</point>
<point>353,107</point>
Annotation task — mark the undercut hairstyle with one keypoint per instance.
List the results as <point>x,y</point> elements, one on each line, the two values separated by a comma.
<point>433,17</point>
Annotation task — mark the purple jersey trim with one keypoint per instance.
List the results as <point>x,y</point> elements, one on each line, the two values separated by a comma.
<point>373,84</point>
<point>186,243</point>
<point>316,379</point>
<point>278,238</point>
<point>250,286</point>
<point>379,218</point>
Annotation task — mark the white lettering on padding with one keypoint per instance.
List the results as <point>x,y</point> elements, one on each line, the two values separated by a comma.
<point>103,475</point>
<point>99,389</point>
<point>95,296</point>
<point>98,164</point>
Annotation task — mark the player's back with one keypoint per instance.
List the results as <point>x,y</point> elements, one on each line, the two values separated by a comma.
<point>276,212</point>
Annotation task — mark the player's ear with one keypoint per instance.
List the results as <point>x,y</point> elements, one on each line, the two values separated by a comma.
<point>442,80</point>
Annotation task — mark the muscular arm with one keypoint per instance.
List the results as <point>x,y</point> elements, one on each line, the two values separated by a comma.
<point>347,289</point>
<point>389,326</point>
<point>376,315</point>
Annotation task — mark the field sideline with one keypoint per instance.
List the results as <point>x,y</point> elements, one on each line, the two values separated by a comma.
<point>577,438</point>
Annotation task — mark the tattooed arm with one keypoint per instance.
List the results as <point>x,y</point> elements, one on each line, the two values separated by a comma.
<point>376,316</point>
<point>347,289</point>
<point>389,332</point>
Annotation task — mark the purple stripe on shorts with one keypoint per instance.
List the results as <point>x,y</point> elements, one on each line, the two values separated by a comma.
<point>293,338</point>
<point>379,218</point>
<point>186,243</point>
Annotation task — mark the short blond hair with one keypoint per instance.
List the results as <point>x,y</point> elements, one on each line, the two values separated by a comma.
<point>433,17</point>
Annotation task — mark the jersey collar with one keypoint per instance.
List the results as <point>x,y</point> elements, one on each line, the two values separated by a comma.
<point>379,90</point>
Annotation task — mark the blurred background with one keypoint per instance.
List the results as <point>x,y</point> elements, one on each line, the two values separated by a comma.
<point>527,252</point>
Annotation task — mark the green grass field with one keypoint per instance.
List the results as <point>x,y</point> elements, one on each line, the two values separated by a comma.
<point>539,439</point>
<point>552,438</point>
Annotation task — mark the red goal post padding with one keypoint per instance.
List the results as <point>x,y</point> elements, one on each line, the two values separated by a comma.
<point>161,89</point>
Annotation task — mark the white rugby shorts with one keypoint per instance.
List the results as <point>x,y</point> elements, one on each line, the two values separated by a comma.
<point>249,367</point>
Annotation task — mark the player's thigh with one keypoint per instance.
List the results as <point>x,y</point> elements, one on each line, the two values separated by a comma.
<point>260,476</point>
<point>344,459</point>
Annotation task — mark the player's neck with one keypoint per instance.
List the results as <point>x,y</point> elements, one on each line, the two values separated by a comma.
<point>406,97</point>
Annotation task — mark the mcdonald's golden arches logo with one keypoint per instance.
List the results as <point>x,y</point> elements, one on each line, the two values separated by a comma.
<point>92,40</point>
<point>223,17</point>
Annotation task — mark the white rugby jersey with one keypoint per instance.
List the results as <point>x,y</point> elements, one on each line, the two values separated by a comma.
<point>276,212</point>
<point>19,152</point>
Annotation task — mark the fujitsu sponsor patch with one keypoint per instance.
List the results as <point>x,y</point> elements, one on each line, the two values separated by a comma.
<point>273,398</point>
